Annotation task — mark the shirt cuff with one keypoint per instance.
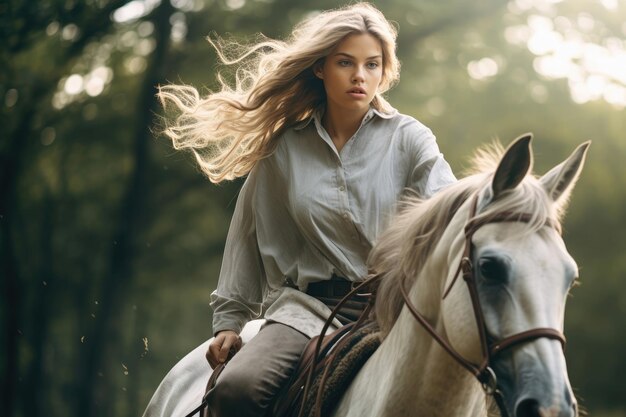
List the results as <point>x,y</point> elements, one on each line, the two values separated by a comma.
<point>221,325</point>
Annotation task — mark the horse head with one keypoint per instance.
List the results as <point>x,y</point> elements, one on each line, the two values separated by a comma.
<point>508,236</point>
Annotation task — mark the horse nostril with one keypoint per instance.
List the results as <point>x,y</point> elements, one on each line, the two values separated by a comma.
<point>527,408</point>
<point>530,408</point>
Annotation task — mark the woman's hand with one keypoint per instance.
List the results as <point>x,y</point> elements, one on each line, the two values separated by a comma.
<point>220,346</point>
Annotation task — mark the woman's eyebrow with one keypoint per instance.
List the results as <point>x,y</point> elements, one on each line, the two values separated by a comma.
<point>350,56</point>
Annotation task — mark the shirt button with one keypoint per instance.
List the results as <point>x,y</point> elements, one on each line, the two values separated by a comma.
<point>346,215</point>
<point>342,188</point>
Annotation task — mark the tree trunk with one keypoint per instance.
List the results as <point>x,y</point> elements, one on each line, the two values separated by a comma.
<point>11,294</point>
<point>105,333</point>
<point>10,164</point>
<point>41,315</point>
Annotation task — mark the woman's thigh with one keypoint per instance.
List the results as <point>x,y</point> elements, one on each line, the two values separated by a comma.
<point>255,375</point>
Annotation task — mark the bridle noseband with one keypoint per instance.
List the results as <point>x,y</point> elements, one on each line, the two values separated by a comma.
<point>484,371</point>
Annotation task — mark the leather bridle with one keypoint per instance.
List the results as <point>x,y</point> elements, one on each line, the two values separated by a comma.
<point>484,371</point>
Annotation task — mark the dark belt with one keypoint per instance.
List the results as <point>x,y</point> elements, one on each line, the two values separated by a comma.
<point>336,287</point>
<point>332,291</point>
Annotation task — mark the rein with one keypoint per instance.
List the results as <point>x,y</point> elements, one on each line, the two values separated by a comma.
<point>318,354</point>
<point>483,372</point>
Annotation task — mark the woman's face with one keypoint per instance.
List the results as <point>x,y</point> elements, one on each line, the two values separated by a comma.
<point>352,73</point>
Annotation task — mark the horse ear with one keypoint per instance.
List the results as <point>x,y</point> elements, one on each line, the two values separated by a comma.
<point>513,167</point>
<point>560,180</point>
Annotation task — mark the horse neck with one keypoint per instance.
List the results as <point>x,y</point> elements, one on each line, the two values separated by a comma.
<point>413,375</point>
<point>433,380</point>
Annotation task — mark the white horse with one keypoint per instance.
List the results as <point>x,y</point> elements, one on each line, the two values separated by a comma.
<point>505,222</point>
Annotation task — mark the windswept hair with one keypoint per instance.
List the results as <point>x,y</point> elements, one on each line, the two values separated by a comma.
<point>402,250</point>
<point>275,87</point>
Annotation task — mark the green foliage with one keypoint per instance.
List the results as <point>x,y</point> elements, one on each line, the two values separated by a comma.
<point>70,155</point>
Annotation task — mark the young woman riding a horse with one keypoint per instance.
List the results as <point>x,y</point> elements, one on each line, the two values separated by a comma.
<point>327,158</point>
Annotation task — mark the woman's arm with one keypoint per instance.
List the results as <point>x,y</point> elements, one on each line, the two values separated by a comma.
<point>430,171</point>
<point>242,285</point>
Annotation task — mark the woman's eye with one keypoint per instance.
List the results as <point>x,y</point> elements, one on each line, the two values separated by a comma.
<point>372,65</point>
<point>493,269</point>
<point>344,63</point>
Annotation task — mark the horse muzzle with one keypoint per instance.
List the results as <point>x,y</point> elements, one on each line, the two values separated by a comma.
<point>531,387</point>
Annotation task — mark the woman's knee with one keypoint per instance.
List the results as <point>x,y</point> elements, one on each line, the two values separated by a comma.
<point>233,391</point>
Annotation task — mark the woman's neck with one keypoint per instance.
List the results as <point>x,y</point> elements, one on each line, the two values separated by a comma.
<point>341,125</point>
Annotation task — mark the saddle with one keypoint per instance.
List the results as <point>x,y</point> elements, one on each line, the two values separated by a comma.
<point>304,395</point>
<point>316,385</point>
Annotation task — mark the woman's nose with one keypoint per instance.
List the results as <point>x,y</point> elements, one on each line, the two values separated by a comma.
<point>358,74</point>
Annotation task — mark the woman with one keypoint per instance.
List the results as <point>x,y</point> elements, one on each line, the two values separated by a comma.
<point>326,158</point>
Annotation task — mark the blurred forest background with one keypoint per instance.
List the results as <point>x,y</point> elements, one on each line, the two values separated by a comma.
<point>111,242</point>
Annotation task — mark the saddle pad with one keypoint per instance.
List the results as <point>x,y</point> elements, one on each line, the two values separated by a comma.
<point>343,369</point>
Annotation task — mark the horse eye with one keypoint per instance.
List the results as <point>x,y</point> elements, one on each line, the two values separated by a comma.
<point>492,269</point>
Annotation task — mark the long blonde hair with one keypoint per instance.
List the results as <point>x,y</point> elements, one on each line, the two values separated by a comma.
<point>275,87</point>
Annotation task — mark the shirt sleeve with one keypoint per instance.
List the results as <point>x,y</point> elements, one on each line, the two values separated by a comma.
<point>430,172</point>
<point>242,283</point>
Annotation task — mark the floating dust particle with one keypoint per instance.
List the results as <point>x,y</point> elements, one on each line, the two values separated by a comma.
<point>125,369</point>
<point>145,347</point>
<point>82,339</point>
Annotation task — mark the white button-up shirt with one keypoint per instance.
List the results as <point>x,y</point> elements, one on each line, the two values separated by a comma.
<point>308,211</point>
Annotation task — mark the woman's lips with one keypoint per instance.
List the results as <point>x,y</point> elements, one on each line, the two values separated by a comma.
<point>357,93</point>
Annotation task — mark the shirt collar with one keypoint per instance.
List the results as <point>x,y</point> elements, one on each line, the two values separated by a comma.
<point>317,117</point>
